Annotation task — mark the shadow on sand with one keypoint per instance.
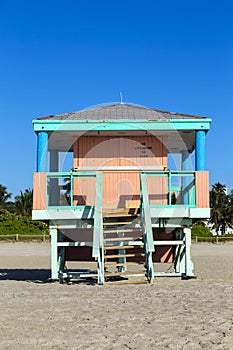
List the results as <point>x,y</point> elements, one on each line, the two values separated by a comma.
<point>30,275</point>
<point>39,276</point>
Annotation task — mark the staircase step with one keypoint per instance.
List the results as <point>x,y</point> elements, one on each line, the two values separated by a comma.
<point>106,230</point>
<point>125,273</point>
<point>123,256</point>
<point>116,223</point>
<point>110,264</point>
<point>117,239</point>
<point>114,247</point>
<point>119,212</point>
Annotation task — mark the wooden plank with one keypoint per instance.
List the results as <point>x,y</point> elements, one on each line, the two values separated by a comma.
<point>114,247</point>
<point>40,191</point>
<point>202,189</point>
<point>119,239</point>
<point>174,242</point>
<point>116,223</point>
<point>116,256</point>
<point>122,230</point>
<point>111,264</point>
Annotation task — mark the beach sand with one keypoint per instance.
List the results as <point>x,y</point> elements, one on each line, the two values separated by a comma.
<point>170,314</point>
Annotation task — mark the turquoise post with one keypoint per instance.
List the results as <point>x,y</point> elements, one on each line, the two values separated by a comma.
<point>42,151</point>
<point>200,150</point>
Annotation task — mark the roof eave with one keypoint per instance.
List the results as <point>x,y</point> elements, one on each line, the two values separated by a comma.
<point>111,125</point>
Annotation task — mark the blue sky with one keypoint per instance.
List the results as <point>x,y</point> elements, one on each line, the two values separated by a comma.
<point>64,55</point>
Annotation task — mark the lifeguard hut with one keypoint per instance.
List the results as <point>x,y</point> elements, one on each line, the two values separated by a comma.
<point>125,206</point>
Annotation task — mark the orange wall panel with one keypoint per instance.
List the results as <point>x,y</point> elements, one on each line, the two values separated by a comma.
<point>121,189</point>
<point>40,191</point>
<point>202,189</point>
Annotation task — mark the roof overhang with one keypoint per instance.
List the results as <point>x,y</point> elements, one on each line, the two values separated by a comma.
<point>121,125</point>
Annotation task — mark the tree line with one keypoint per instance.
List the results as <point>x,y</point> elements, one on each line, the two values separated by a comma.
<point>22,204</point>
<point>15,215</point>
<point>221,205</point>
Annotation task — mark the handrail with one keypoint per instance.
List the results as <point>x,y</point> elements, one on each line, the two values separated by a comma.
<point>147,227</point>
<point>98,218</point>
<point>146,214</point>
<point>98,239</point>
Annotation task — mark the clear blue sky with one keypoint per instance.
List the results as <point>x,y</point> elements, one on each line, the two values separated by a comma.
<point>63,55</point>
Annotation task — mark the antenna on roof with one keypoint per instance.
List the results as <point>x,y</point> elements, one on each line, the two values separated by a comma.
<point>121,97</point>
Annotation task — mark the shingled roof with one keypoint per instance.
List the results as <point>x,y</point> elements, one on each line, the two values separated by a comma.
<point>120,111</point>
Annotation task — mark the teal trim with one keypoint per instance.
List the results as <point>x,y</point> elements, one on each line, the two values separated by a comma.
<point>169,187</point>
<point>167,172</point>
<point>69,174</point>
<point>121,125</point>
<point>173,206</point>
<point>70,207</point>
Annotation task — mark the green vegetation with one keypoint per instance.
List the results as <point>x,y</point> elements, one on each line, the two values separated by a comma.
<point>15,217</point>
<point>200,231</point>
<point>221,206</point>
<point>12,225</point>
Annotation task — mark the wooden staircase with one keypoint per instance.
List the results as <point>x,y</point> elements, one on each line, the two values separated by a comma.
<point>124,256</point>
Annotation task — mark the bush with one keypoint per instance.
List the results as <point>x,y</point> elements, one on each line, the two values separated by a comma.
<point>12,224</point>
<point>200,231</point>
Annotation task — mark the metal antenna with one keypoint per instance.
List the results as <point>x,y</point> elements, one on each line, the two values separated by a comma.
<point>121,98</point>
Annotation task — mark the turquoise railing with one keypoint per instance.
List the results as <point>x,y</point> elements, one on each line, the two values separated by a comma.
<point>178,188</point>
<point>60,190</point>
<point>60,194</point>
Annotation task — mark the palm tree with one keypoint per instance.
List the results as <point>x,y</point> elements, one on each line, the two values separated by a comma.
<point>23,203</point>
<point>5,204</point>
<point>220,208</point>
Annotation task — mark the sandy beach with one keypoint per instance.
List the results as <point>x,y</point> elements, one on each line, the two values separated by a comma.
<point>170,314</point>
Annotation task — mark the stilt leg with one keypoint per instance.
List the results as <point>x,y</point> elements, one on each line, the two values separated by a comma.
<point>54,253</point>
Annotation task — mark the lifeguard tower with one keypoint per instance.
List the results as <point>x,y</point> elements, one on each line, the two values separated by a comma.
<point>125,207</point>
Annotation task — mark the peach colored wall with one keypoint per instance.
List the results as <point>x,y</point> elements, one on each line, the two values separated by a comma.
<point>40,191</point>
<point>120,189</point>
<point>202,189</point>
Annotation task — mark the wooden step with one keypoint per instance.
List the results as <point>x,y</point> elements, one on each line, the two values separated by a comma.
<point>116,247</point>
<point>110,264</point>
<point>125,273</point>
<point>116,223</point>
<point>119,212</point>
<point>123,256</point>
<point>133,229</point>
<point>117,239</point>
